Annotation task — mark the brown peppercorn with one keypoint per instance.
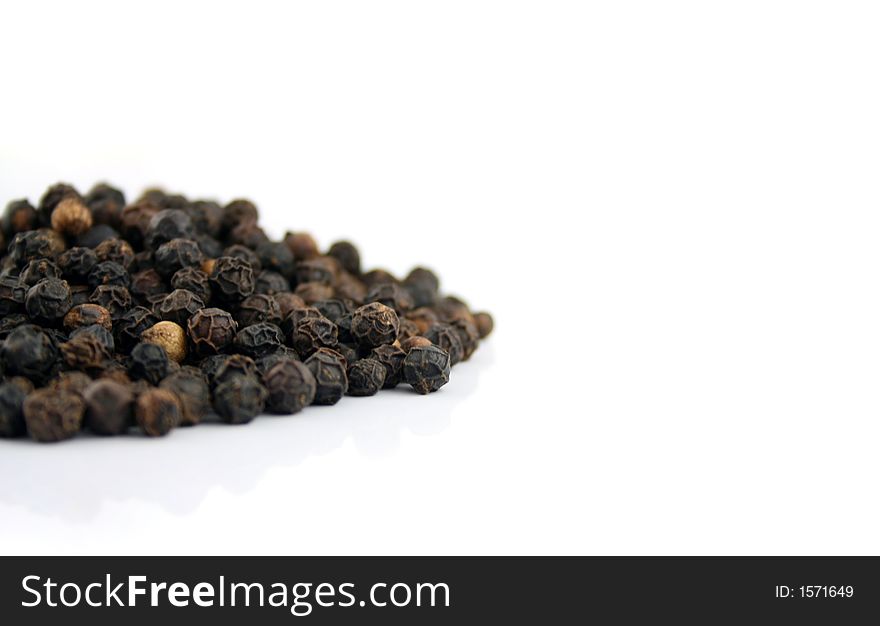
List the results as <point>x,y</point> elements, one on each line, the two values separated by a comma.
<point>484,323</point>
<point>414,342</point>
<point>208,266</point>
<point>86,315</point>
<point>71,216</point>
<point>53,414</point>
<point>302,245</point>
<point>170,336</point>
<point>157,411</point>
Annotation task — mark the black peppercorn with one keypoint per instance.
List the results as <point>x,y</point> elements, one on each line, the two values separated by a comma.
<point>248,234</point>
<point>85,352</point>
<point>109,273</point>
<point>52,198</point>
<point>100,333</point>
<point>468,335</point>
<point>53,414</point>
<point>267,362</point>
<point>135,221</point>
<point>96,235</point>
<point>28,351</point>
<point>290,386</point>
<point>30,245</point>
<point>276,257</point>
<point>178,306</point>
<point>210,365</point>
<point>233,366</point>
<point>258,340</point>
<point>193,280</point>
<point>392,358</point>
<point>271,283</point>
<point>211,330</point>
<point>426,369</point>
<point>166,225</point>
<point>19,216</point>
<point>334,309</point>
<point>128,327</point>
<point>392,295</point>
<point>148,362</point>
<point>109,407</point>
<point>48,301</point>
<point>377,277</point>
<point>237,212</point>
<point>365,377</point>
<point>258,308</point>
<point>314,292</point>
<point>347,255</point>
<point>76,263</point>
<point>232,280</point>
<point>296,316</point>
<point>206,216</point>
<point>317,270</point>
<point>239,251</point>
<point>239,399</point>
<point>374,324</point>
<point>37,270</point>
<point>328,368</point>
<point>192,392</point>
<point>313,333</point>
<point>157,412</point>
<point>177,254</point>
<point>11,416</point>
<point>115,299</point>
<point>116,250</point>
<point>12,295</point>
<point>106,204</point>
<point>446,338</point>
<point>146,285</point>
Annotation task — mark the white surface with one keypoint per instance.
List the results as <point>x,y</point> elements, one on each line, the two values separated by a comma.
<point>671,209</point>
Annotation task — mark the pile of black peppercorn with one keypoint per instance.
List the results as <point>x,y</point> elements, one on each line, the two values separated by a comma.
<point>159,313</point>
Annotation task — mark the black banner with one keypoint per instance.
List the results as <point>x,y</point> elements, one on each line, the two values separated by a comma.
<point>436,590</point>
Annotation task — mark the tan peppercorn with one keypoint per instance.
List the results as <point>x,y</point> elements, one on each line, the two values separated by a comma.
<point>170,337</point>
<point>71,217</point>
<point>208,266</point>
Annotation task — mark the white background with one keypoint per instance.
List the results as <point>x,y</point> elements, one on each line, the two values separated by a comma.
<point>671,209</point>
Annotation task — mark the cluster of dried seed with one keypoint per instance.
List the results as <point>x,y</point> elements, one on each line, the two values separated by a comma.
<point>165,311</point>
